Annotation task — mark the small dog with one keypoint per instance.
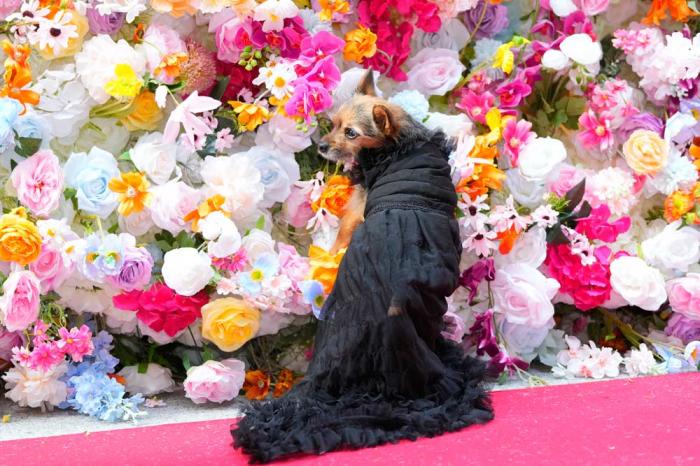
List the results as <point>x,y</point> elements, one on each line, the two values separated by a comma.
<point>364,122</point>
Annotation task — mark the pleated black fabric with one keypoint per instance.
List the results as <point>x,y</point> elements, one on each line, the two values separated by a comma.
<point>376,378</point>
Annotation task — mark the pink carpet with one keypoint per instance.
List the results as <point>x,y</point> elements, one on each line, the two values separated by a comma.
<point>646,421</point>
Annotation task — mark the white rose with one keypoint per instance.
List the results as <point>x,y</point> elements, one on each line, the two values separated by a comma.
<point>258,242</point>
<point>530,249</point>
<point>527,193</point>
<point>138,223</point>
<point>539,157</point>
<point>452,125</point>
<point>222,234</point>
<point>452,35</point>
<point>639,284</point>
<point>170,203</point>
<point>582,49</point>
<point>673,250</point>
<point>156,379</point>
<point>278,171</point>
<point>282,133</point>
<point>153,157</point>
<point>186,270</point>
<point>523,295</point>
<point>555,60</point>
<point>523,340</point>
<point>238,180</point>
<point>434,71</point>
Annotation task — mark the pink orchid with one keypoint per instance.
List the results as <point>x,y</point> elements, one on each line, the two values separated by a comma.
<point>476,105</point>
<point>183,114</point>
<point>595,131</point>
<point>512,93</point>
<point>320,46</point>
<point>516,134</point>
<point>308,99</point>
<point>325,72</point>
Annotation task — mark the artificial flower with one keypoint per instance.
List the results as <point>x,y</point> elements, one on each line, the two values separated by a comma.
<point>229,323</point>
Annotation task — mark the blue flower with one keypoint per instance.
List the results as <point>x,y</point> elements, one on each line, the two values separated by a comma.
<point>9,111</point>
<point>89,174</point>
<point>413,102</point>
<point>104,256</point>
<point>312,293</point>
<point>264,268</point>
<point>95,394</point>
<point>29,126</point>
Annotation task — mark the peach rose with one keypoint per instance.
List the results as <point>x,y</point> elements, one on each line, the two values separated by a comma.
<point>20,240</point>
<point>229,323</point>
<point>645,152</point>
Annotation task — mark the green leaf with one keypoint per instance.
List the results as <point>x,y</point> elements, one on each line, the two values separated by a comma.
<point>220,88</point>
<point>260,224</point>
<point>113,229</point>
<point>186,362</point>
<point>575,106</point>
<point>143,367</point>
<point>556,236</point>
<point>126,157</point>
<point>27,146</point>
<point>13,164</point>
<point>207,354</point>
<point>575,194</point>
<point>503,378</point>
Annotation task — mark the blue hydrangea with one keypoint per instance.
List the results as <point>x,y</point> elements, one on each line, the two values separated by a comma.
<point>413,102</point>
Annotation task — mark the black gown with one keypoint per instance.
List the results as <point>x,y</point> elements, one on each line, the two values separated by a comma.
<point>376,378</point>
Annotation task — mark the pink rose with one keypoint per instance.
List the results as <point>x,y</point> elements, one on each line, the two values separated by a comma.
<point>297,207</point>
<point>8,6</point>
<point>294,266</point>
<point>39,182</point>
<point>434,71</point>
<point>592,7</point>
<point>684,295</point>
<point>51,268</point>
<point>568,177</point>
<point>19,304</point>
<point>231,38</point>
<point>523,295</point>
<point>215,381</point>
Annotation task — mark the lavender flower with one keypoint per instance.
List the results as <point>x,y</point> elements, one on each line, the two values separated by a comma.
<point>104,24</point>
<point>486,23</point>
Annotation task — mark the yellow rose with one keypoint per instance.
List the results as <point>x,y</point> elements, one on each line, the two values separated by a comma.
<point>74,43</point>
<point>20,240</point>
<point>645,152</point>
<point>145,114</point>
<point>229,323</point>
<point>324,266</point>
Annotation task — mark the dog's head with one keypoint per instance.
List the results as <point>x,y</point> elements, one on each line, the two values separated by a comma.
<point>364,122</point>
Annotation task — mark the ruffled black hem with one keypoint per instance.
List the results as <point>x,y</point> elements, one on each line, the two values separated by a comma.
<point>309,422</point>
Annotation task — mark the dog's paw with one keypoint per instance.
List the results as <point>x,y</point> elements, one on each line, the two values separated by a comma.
<point>394,311</point>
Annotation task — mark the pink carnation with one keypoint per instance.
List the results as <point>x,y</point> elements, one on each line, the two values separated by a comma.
<point>38,181</point>
<point>588,285</point>
<point>684,295</point>
<point>596,225</point>
<point>19,304</point>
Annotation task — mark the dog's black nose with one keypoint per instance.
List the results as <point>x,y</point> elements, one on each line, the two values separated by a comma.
<point>323,147</point>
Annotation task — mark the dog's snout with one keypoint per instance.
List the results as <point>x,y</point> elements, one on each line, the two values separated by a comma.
<point>323,147</point>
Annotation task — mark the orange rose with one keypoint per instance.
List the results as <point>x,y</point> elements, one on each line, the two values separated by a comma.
<point>145,114</point>
<point>335,196</point>
<point>645,152</point>
<point>20,240</point>
<point>324,267</point>
<point>360,43</point>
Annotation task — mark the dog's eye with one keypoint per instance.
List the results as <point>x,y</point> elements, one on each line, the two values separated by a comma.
<point>350,133</point>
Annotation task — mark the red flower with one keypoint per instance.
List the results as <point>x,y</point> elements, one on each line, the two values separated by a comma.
<point>161,309</point>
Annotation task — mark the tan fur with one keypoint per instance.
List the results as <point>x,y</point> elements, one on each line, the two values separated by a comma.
<point>374,122</point>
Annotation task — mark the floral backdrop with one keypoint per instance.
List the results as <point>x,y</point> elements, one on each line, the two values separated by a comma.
<point>166,218</point>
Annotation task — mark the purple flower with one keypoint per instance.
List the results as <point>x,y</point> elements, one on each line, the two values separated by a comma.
<point>642,120</point>
<point>104,24</point>
<point>454,327</point>
<point>493,21</point>
<point>287,41</point>
<point>503,361</point>
<point>8,340</point>
<point>483,336</point>
<point>681,327</point>
<point>135,272</point>
<point>482,269</point>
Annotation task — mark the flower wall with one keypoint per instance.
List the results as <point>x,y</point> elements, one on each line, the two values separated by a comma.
<point>166,217</point>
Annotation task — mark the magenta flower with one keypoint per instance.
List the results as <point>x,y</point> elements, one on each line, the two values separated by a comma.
<point>476,105</point>
<point>480,270</point>
<point>483,335</point>
<point>595,132</point>
<point>308,99</point>
<point>504,362</point>
<point>39,332</point>
<point>596,225</point>
<point>76,342</point>
<point>511,94</point>
<point>516,134</point>
<point>45,356</point>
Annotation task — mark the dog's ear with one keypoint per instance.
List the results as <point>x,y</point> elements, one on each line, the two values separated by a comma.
<point>385,121</point>
<point>366,86</point>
